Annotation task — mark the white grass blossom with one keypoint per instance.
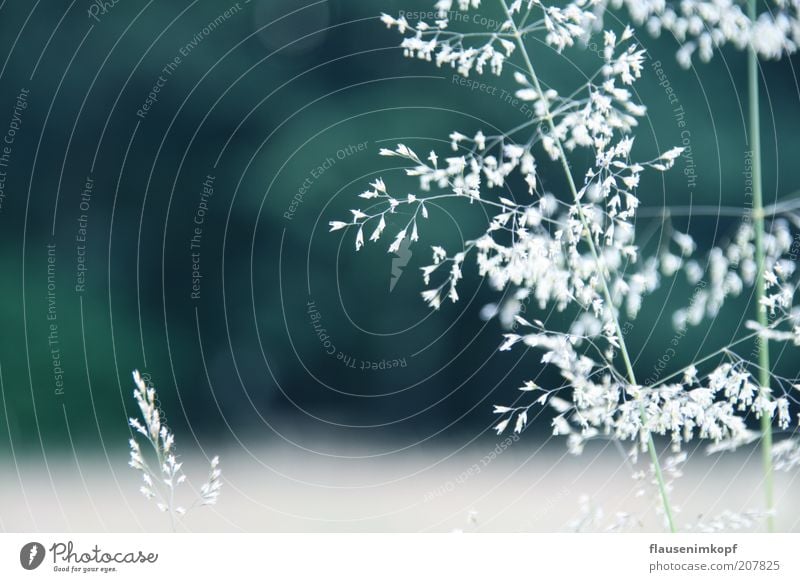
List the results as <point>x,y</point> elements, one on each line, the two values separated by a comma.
<point>729,521</point>
<point>575,248</point>
<point>703,26</point>
<point>163,473</point>
<point>731,267</point>
<point>561,26</point>
<point>786,454</point>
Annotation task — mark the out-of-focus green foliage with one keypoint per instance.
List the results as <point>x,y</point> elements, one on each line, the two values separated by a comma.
<point>265,119</point>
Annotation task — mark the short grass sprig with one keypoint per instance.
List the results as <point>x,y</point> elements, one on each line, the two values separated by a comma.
<point>162,476</point>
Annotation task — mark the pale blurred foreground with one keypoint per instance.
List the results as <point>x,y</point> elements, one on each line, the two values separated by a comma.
<point>285,489</point>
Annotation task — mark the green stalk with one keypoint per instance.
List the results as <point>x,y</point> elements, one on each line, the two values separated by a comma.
<point>600,266</point>
<point>758,220</point>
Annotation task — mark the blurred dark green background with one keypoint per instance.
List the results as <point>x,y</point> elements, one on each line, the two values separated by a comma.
<point>260,102</point>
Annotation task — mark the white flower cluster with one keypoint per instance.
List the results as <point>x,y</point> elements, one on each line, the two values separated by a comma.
<point>161,481</point>
<point>701,26</point>
<point>561,25</point>
<point>786,454</point>
<point>538,246</point>
<point>434,42</point>
<point>576,248</point>
<point>729,521</point>
<point>731,267</point>
<point>601,404</point>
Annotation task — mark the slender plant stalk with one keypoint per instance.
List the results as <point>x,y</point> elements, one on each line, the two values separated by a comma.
<point>600,267</point>
<point>758,220</point>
